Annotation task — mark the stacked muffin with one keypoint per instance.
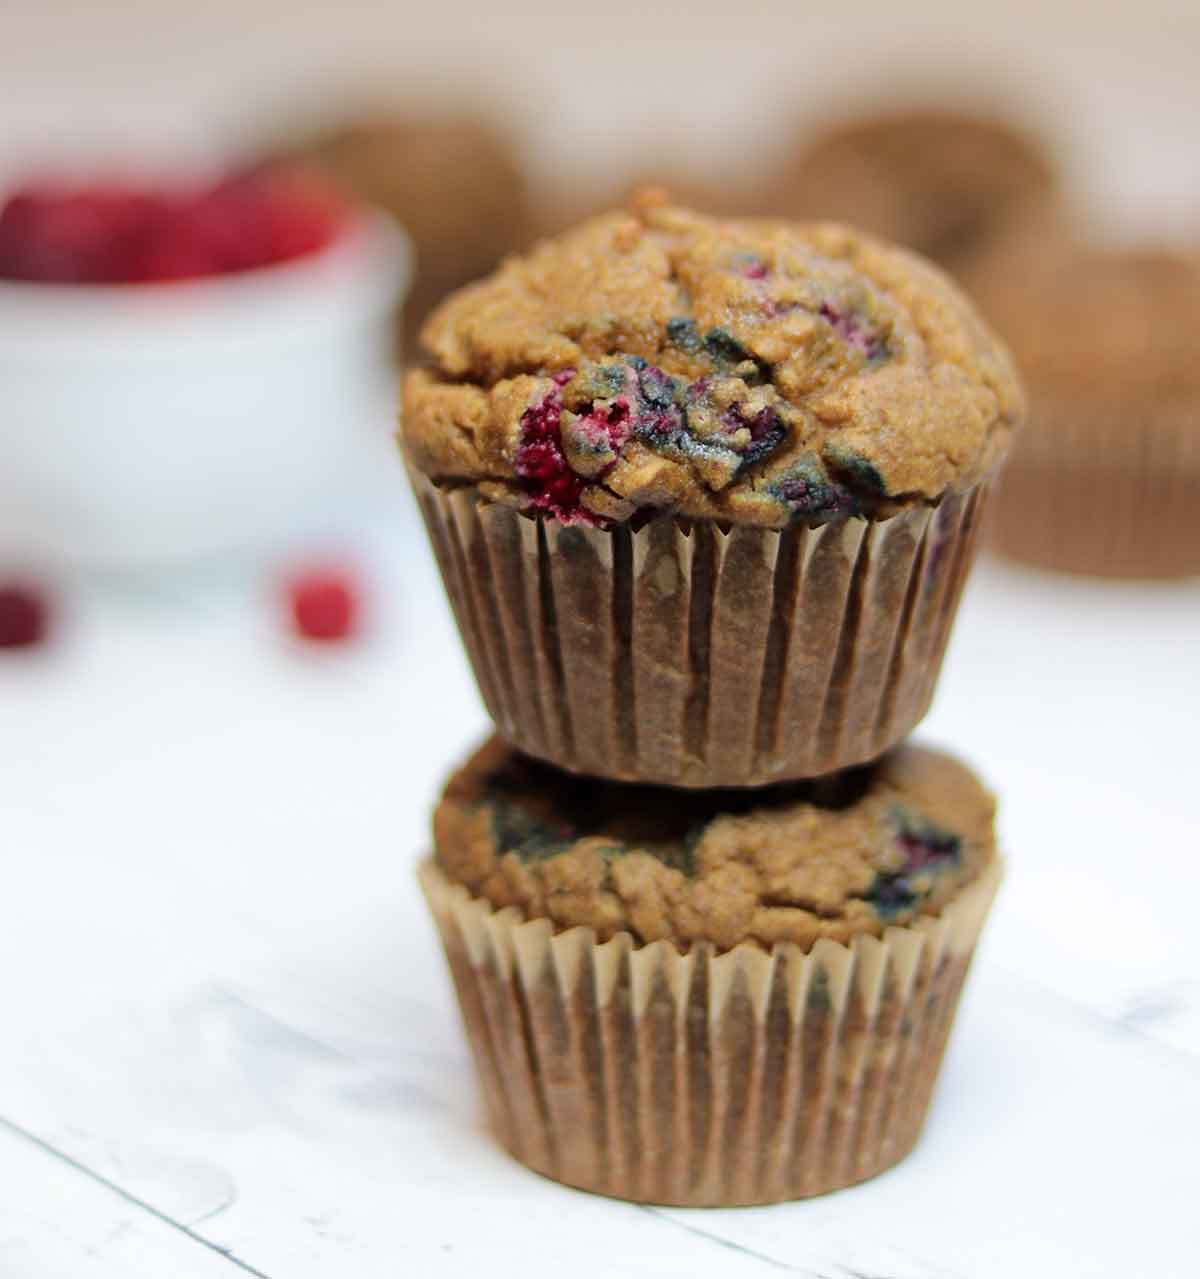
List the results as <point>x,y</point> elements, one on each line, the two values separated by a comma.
<point>704,495</point>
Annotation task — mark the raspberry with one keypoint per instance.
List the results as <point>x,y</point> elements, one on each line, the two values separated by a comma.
<point>753,268</point>
<point>113,234</point>
<point>927,850</point>
<point>927,847</point>
<point>24,615</point>
<point>767,431</point>
<point>541,462</point>
<point>851,328</point>
<point>324,605</point>
<point>806,488</point>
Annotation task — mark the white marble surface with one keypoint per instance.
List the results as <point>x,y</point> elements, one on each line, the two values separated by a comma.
<point>229,1043</point>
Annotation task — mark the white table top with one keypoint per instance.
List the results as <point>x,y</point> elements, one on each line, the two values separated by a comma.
<point>230,1043</point>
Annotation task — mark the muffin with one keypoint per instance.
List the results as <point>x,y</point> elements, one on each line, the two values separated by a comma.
<point>704,493</point>
<point>1107,479</point>
<point>949,185</point>
<point>452,180</point>
<point>715,998</point>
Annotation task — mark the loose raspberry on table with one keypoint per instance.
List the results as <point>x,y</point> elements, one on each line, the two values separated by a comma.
<point>24,615</point>
<point>325,604</point>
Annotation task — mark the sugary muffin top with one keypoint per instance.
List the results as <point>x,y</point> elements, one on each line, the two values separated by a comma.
<point>834,858</point>
<point>1099,324</point>
<point>938,181</point>
<point>750,371</point>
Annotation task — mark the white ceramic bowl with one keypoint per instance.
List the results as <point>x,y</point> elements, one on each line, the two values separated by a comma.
<point>142,425</point>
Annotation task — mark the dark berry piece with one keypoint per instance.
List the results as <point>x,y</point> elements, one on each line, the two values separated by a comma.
<point>722,346</point>
<point>805,487</point>
<point>324,605</point>
<point>663,431</point>
<point>752,267</point>
<point>725,350</point>
<point>24,615</point>
<point>925,845</point>
<point>682,332</point>
<point>657,388</point>
<point>853,329</point>
<point>531,838</point>
<point>854,470</point>
<point>767,433</point>
<point>891,895</point>
<point>928,849</point>
<point>766,428</point>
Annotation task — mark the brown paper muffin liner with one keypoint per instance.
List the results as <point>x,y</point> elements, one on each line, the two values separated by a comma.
<point>688,655</point>
<point>1090,489</point>
<point>705,1079</point>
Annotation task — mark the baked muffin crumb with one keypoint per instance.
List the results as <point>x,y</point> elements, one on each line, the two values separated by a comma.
<point>830,858</point>
<point>750,371</point>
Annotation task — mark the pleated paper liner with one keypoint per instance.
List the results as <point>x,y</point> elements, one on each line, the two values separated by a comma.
<point>1096,490</point>
<point>705,1079</point>
<point>688,655</point>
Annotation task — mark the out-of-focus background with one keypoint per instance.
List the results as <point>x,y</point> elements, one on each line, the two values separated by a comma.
<point>229,1042</point>
<point>596,93</point>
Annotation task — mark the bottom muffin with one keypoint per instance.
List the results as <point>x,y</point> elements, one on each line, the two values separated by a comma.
<point>710,998</point>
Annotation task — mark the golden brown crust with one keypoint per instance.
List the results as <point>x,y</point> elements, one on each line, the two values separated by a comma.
<point>744,370</point>
<point>832,858</point>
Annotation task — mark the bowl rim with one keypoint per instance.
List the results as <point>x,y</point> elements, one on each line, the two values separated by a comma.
<point>367,266</point>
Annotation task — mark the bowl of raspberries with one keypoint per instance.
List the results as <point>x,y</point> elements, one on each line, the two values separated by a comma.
<point>186,368</point>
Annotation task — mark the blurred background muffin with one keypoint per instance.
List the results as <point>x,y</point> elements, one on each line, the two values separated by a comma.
<point>947,183</point>
<point>1106,480</point>
<point>450,177</point>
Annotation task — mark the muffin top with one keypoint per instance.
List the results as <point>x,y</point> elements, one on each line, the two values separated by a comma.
<point>939,181</point>
<point>833,858</point>
<point>751,371</point>
<point>1099,324</point>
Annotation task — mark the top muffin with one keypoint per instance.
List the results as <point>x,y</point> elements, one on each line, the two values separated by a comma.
<point>752,371</point>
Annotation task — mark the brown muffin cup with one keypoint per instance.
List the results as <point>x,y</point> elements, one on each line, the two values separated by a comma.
<point>686,654</point>
<point>704,1079</point>
<point>1097,489</point>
